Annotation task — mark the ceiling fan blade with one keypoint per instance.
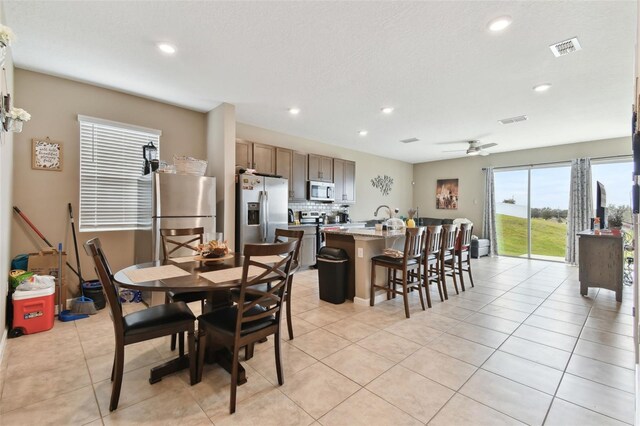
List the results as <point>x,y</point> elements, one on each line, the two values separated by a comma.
<point>456,150</point>
<point>452,142</point>
<point>488,145</point>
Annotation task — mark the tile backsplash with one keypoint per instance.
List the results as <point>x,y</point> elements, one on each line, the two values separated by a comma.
<point>315,206</point>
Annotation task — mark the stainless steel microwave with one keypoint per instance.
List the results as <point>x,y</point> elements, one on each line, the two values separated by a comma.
<point>321,191</point>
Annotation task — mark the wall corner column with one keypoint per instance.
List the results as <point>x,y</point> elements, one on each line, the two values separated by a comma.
<point>221,155</point>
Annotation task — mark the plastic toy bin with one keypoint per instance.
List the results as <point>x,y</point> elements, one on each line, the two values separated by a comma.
<point>33,311</point>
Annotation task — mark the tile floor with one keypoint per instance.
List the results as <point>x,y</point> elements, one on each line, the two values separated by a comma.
<point>522,347</point>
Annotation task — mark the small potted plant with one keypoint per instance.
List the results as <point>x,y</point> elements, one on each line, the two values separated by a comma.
<point>615,218</point>
<point>15,118</point>
<point>410,222</point>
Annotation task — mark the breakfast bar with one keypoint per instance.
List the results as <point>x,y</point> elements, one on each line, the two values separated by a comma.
<point>361,244</point>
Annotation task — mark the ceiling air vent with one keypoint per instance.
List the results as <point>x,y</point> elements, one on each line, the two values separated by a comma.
<point>512,120</point>
<point>565,47</point>
<point>410,140</point>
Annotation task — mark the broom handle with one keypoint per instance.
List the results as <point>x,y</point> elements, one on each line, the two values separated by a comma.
<point>59,279</point>
<point>75,246</point>
<point>22,215</point>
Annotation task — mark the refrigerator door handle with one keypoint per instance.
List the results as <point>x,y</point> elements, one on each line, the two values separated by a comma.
<point>266,216</point>
<point>261,215</point>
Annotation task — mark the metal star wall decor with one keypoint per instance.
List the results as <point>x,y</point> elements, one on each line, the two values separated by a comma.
<point>383,183</point>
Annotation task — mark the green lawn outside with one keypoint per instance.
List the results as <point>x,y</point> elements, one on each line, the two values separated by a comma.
<point>548,237</point>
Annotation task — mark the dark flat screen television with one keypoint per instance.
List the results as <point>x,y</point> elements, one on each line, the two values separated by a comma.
<point>601,203</point>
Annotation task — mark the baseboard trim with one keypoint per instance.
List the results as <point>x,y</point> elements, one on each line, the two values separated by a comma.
<point>380,297</point>
<point>3,343</point>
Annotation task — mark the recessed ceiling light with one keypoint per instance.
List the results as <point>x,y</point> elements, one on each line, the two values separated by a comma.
<point>167,48</point>
<point>294,111</point>
<point>500,23</point>
<point>363,133</point>
<point>542,87</point>
<point>387,110</point>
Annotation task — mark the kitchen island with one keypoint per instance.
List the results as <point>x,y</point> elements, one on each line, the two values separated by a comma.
<point>361,244</point>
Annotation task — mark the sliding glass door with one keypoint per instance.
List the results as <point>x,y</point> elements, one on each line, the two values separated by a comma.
<point>531,211</point>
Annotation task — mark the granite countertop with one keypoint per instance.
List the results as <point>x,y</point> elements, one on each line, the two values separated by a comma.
<point>603,234</point>
<point>345,225</point>
<point>366,232</point>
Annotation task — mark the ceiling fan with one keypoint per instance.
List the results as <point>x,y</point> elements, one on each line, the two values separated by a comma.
<point>475,148</point>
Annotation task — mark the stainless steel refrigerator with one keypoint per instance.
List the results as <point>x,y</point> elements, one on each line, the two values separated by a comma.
<point>261,207</point>
<point>172,201</point>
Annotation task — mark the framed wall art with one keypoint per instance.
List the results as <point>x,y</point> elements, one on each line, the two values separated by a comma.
<point>447,194</point>
<point>46,154</point>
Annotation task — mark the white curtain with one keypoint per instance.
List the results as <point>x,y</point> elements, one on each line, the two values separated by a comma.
<point>489,212</point>
<point>580,206</point>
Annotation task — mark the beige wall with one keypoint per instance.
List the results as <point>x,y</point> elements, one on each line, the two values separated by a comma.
<point>367,167</point>
<point>471,177</point>
<point>54,104</point>
<point>6,182</point>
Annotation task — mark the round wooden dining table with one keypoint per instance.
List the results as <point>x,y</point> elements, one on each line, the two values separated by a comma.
<point>192,280</point>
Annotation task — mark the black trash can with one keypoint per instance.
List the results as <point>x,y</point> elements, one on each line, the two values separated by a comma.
<point>93,290</point>
<point>333,270</point>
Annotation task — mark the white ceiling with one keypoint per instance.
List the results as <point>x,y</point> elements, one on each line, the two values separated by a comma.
<point>447,76</point>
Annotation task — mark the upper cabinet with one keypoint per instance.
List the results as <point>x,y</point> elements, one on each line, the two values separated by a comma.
<point>293,166</point>
<point>320,168</point>
<point>298,182</point>
<point>250,155</point>
<point>264,159</point>
<point>298,168</point>
<point>244,154</point>
<point>344,177</point>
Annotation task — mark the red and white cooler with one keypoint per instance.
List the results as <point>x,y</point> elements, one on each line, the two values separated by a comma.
<point>33,310</point>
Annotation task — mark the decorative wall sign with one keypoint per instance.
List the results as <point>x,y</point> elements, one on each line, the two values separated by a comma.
<point>46,154</point>
<point>447,194</point>
<point>383,183</point>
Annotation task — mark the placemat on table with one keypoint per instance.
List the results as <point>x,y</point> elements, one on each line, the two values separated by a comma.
<point>183,259</point>
<point>230,274</point>
<point>155,273</point>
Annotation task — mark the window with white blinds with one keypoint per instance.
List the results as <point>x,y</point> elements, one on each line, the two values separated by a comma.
<point>111,164</point>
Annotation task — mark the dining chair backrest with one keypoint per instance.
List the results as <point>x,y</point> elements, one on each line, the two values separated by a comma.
<point>171,245</point>
<point>464,237</point>
<point>413,243</point>
<point>449,235</point>
<point>434,237</point>
<point>93,248</point>
<point>267,300</point>
<point>283,235</point>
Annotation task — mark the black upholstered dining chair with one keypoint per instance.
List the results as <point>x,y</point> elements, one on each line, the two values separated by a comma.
<point>146,324</point>
<point>256,314</point>
<point>174,239</point>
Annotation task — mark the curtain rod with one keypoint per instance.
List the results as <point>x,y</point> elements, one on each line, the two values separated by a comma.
<point>610,157</point>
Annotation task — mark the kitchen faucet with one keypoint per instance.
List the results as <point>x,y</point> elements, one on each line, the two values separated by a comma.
<point>375,214</point>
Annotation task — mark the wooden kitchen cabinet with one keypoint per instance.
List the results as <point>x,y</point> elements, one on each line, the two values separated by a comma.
<point>298,180</point>
<point>320,168</point>
<point>293,166</point>
<point>264,158</point>
<point>244,154</point>
<point>251,155</point>
<point>344,178</point>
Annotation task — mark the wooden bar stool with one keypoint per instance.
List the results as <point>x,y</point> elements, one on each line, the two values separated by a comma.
<point>447,257</point>
<point>463,252</point>
<point>431,260</point>
<point>410,261</point>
